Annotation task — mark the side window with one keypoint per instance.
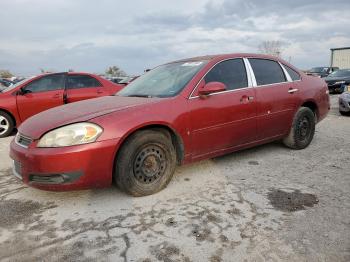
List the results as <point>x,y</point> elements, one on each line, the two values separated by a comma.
<point>81,81</point>
<point>292,73</point>
<point>267,71</point>
<point>46,83</point>
<point>231,72</point>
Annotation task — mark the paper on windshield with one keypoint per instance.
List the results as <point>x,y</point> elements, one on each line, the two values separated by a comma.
<point>192,64</point>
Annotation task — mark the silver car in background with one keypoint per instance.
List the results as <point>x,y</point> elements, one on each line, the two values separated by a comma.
<point>344,102</point>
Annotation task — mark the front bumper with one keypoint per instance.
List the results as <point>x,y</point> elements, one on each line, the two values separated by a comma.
<point>338,88</point>
<point>66,168</point>
<point>344,103</point>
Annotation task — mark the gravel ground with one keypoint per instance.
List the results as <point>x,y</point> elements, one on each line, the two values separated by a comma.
<point>268,203</point>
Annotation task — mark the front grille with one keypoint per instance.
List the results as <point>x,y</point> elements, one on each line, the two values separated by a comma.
<point>23,141</point>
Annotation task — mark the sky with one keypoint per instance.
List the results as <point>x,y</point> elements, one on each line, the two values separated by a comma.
<point>90,35</point>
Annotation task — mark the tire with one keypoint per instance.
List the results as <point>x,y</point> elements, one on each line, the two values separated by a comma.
<point>302,130</point>
<point>344,113</point>
<point>145,163</point>
<point>6,124</point>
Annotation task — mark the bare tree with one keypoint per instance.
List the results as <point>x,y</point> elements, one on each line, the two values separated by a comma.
<point>115,71</point>
<point>271,48</point>
<point>5,74</point>
<point>46,71</point>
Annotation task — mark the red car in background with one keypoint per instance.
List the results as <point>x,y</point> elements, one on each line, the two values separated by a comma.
<point>177,113</point>
<point>37,94</point>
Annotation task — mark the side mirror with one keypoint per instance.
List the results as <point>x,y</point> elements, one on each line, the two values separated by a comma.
<point>22,91</point>
<point>210,88</point>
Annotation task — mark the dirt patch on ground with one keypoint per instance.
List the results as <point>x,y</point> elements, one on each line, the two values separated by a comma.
<point>15,212</point>
<point>291,201</point>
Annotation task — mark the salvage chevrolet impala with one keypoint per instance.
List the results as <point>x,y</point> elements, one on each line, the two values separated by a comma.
<point>177,113</point>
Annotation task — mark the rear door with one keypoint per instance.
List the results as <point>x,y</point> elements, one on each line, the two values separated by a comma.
<point>276,96</point>
<point>81,87</point>
<point>227,119</point>
<point>41,94</point>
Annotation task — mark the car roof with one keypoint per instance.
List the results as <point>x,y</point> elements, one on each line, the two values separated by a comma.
<point>69,73</point>
<point>225,56</point>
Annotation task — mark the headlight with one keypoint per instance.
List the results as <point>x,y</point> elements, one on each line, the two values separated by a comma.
<point>339,83</point>
<point>75,134</point>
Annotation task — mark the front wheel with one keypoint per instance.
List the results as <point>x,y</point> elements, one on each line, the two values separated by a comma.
<point>146,163</point>
<point>302,130</point>
<point>6,124</point>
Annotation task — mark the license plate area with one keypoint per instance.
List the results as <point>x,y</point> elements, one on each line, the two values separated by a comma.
<point>17,169</point>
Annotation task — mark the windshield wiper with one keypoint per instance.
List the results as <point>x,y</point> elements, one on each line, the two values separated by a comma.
<point>136,95</point>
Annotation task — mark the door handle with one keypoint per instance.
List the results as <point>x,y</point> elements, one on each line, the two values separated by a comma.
<point>99,91</point>
<point>246,99</point>
<point>56,96</point>
<point>292,90</point>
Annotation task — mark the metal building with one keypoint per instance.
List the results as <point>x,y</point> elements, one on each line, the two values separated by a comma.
<point>340,57</point>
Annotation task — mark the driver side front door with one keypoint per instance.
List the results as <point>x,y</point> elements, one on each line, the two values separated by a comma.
<point>225,120</point>
<point>40,95</point>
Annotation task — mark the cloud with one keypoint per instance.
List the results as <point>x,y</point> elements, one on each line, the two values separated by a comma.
<point>92,35</point>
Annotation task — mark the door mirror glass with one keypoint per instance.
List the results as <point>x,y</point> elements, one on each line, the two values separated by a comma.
<point>212,87</point>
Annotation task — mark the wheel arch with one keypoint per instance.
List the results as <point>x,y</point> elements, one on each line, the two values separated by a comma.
<point>176,139</point>
<point>10,114</point>
<point>313,106</point>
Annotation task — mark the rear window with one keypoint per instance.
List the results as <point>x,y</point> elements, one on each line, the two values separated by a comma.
<point>267,71</point>
<point>81,81</point>
<point>292,73</point>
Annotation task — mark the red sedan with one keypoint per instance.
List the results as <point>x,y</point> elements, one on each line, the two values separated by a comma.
<point>34,95</point>
<point>177,113</point>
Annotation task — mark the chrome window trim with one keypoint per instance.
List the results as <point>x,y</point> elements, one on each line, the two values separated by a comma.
<point>285,72</point>
<point>250,83</point>
<point>253,75</point>
<point>251,72</point>
<point>300,78</point>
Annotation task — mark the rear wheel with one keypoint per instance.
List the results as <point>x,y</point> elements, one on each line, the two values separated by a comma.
<point>302,130</point>
<point>6,124</point>
<point>146,163</point>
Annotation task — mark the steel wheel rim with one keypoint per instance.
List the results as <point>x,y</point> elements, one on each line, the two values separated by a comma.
<point>149,164</point>
<point>304,128</point>
<point>4,125</point>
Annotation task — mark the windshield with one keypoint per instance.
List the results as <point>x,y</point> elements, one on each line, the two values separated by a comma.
<point>164,81</point>
<point>15,85</point>
<point>341,73</point>
<point>318,69</point>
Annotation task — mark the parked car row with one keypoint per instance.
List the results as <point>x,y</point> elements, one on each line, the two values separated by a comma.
<point>122,80</point>
<point>5,83</point>
<point>34,95</point>
<point>321,71</point>
<point>338,81</point>
<point>177,113</point>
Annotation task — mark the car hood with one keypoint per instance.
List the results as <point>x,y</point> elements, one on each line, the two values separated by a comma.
<point>82,111</point>
<point>335,79</point>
